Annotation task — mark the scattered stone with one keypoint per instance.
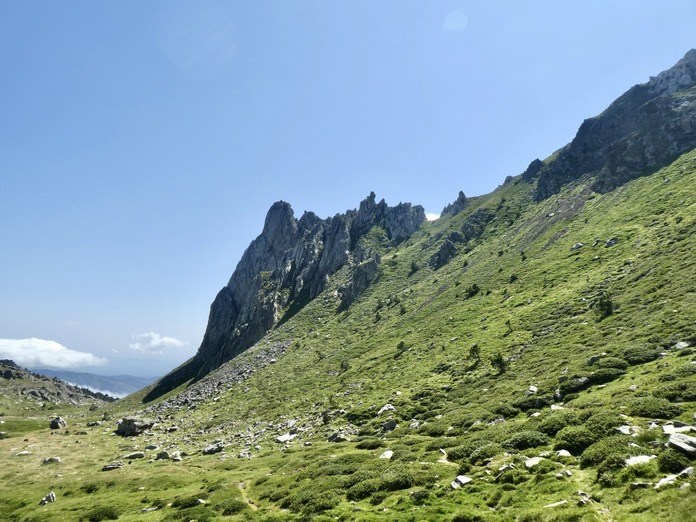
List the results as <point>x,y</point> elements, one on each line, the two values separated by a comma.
<point>287,437</point>
<point>460,481</point>
<point>640,459</point>
<point>132,427</point>
<point>563,453</point>
<point>556,504</point>
<point>172,429</point>
<point>151,447</point>
<point>387,454</point>
<point>611,242</point>
<point>415,425</point>
<point>577,246</point>
<point>594,358</point>
<point>176,456</point>
<point>163,455</point>
<point>22,453</point>
<point>58,424</point>
<point>681,345</point>
<point>337,436</point>
<point>135,455</point>
<point>52,460</point>
<point>556,407</point>
<point>535,414</point>
<point>148,510</point>
<point>390,425</point>
<point>307,443</point>
<point>244,454</point>
<point>633,387</point>
<point>113,466</point>
<point>532,390</point>
<point>51,497</point>
<point>94,424</point>
<point>629,430</point>
<point>534,461</point>
<point>640,485</point>
<point>669,428</point>
<point>215,447</point>
<point>386,407</point>
<point>669,479</point>
<point>683,443</point>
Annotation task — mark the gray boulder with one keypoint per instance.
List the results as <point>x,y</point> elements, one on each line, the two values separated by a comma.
<point>51,497</point>
<point>215,447</point>
<point>132,427</point>
<point>58,424</point>
<point>683,443</point>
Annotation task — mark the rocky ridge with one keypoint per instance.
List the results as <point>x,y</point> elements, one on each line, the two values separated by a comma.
<point>285,267</point>
<point>643,130</point>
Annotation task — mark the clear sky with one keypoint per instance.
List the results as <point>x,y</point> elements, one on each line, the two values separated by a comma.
<point>142,143</point>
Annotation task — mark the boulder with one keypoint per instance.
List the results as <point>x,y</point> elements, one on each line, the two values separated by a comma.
<point>386,407</point>
<point>683,443</point>
<point>51,497</point>
<point>58,424</point>
<point>215,447</point>
<point>387,454</point>
<point>460,481</point>
<point>112,466</point>
<point>640,459</point>
<point>390,425</point>
<point>134,455</point>
<point>51,460</point>
<point>163,455</point>
<point>534,461</point>
<point>132,427</point>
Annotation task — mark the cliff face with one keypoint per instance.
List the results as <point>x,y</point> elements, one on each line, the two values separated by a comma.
<point>285,267</point>
<point>643,130</point>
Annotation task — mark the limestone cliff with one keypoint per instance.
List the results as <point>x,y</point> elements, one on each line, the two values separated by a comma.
<point>643,130</point>
<point>285,267</point>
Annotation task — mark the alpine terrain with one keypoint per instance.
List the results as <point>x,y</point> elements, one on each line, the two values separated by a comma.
<point>528,356</point>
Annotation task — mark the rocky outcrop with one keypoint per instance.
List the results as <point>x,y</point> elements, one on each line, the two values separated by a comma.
<point>646,128</point>
<point>456,206</point>
<point>284,268</point>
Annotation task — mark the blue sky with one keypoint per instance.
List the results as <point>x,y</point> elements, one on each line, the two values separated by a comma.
<point>143,142</point>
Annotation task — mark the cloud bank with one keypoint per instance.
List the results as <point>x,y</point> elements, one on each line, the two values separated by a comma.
<point>431,217</point>
<point>154,343</point>
<point>40,353</point>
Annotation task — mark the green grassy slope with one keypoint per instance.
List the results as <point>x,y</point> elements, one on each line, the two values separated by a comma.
<point>455,351</point>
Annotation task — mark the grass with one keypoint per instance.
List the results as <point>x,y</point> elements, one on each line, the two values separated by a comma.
<point>344,365</point>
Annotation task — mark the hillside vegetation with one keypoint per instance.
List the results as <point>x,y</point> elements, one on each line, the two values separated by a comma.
<point>512,330</point>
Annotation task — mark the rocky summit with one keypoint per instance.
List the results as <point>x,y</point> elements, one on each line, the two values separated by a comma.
<point>286,266</point>
<point>529,356</point>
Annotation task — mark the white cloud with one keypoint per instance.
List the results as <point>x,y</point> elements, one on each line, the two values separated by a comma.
<point>38,353</point>
<point>154,343</point>
<point>431,217</point>
<point>455,21</point>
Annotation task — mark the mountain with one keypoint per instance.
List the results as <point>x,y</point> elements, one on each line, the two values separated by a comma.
<point>292,260</point>
<point>114,385</point>
<point>20,385</point>
<point>529,356</point>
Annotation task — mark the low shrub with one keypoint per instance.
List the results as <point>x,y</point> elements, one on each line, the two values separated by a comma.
<point>468,516</point>
<point>605,375</point>
<point>102,513</point>
<point>611,362</point>
<point>652,407</point>
<point>526,439</point>
<point>485,452</point>
<point>232,506</point>
<point>683,391</point>
<point>558,420</point>
<point>370,444</point>
<point>640,355</point>
<point>671,461</point>
<point>603,423</point>
<point>607,448</point>
<point>575,439</point>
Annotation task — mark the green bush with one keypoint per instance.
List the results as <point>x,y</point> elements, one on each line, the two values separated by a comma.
<point>605,375</point>
<point>615,445</point>
<point>526,439</point>
<point>611,362</point>
<point>370,444</point>
<point>468,516</point>
<point>603,423</point>
<point>652,407</point>
<point>671,461</point>
<point>558,420</point>
<point>683,391</point>
<point>102,513</point>
<point>574,439</point>
<point>640,355</point>
<point>485,452</point>
<point>185,502</point>
<point>364,489</point>
<point>506,410</point>
<point>232,506</point>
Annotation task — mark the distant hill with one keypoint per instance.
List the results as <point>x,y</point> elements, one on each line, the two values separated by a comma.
<point>20,384</point>
<point>114,385</point>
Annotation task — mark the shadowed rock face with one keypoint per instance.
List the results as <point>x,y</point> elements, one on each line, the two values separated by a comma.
<point>643,130</point>
<point>285,267</point>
